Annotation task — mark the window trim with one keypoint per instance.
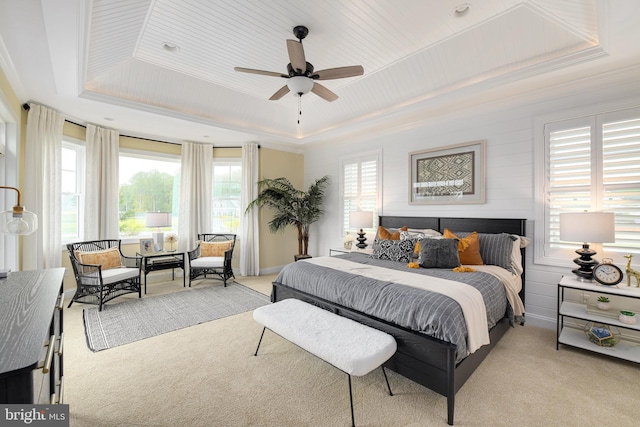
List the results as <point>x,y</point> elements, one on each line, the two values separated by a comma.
<point>79,147</point>
<point>227,161</point>
<point>586,114</point>
<point>148,155</point>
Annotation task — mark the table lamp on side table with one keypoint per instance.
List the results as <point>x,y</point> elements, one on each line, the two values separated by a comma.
<point>157,220</point>
<point>594,227</point>
<point>361,219</point>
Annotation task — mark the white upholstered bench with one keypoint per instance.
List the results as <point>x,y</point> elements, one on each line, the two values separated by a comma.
<point>350,346</point>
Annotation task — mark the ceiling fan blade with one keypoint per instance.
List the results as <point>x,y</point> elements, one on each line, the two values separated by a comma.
<point>338,73</point>
<point>261,72</point>
<point>280,93</point>
<point>323,92</point>
<point>296,55</point>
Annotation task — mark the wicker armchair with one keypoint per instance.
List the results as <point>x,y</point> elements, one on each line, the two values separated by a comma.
<point>212,256</point>
<point>102,272</point>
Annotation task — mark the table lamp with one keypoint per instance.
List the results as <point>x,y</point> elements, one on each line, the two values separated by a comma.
<point>157,220</point>
<point>17,220</point>
<point>593,227</point>
<point>361,219</point>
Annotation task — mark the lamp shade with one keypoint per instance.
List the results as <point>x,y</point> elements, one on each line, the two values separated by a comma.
<point>588,227</point>
<point>158,219</point>
<point>299,85</point>
<point>18,220</point>
<point>361,219</point>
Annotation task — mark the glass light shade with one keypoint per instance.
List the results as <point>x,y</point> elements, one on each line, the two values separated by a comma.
<point>300,85</point>
<point>361,219</point>
<point>158,219</point>
<point>587,227</point>
<point>18,221</point>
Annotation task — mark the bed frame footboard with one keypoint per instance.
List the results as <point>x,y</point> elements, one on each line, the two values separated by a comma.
<point>427,361</point>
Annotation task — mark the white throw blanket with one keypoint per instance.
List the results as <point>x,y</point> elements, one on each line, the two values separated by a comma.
<point>512,285</point>
<point>469,298</point>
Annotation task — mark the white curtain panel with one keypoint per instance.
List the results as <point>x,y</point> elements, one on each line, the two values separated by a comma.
<point>250,253</point>
<point>41,193</point>
<point>194,215</point>
<point>102,184</point>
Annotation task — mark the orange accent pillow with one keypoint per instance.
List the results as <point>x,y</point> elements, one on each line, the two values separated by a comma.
<point>468,247</point>
<point>108,258</point>
<point>215,249</point>
<point>385,234</point>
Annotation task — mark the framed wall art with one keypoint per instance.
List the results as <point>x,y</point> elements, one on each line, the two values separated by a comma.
<point>448,175</point>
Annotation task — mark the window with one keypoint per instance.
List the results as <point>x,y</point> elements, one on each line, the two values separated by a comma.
<point>591,163</point>
<point>227,188</point>
<point>148,183</point>
<point>72,189</point>
<point>360,187</point>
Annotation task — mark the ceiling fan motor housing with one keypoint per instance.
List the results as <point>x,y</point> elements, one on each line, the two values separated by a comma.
<point>307,73</point>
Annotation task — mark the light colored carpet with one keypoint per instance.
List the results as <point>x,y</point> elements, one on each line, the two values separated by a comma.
<point>134,320</point>
<point>206,375</point>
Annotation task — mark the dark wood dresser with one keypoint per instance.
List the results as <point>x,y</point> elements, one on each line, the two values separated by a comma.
<point>31,337</point>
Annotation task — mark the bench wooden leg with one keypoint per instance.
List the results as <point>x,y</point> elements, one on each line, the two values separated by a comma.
<point>259,342</point>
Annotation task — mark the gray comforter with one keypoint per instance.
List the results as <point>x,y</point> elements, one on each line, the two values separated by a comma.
<point>427,312</point>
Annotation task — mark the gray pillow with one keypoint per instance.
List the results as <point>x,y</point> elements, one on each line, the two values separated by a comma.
<point>439,253</point>
<point>495,249</point>
<point>394,250</point>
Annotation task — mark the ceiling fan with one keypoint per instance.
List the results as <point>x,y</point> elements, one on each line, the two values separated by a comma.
<point>301,78</point>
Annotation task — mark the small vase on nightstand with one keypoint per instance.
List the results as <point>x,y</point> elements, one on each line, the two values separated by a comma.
<point>347,245</point>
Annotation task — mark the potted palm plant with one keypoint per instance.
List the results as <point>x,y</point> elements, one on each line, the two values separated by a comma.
<point>292,206</point>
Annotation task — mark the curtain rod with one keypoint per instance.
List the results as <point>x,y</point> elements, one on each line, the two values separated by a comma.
<point>27,108</point>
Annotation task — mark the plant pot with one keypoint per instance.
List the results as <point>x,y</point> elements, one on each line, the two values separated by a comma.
<point>627,317</point>
<point>603,305</point>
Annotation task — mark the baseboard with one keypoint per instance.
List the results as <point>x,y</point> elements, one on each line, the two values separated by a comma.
<point>540,321</point>
<point>271,270</point>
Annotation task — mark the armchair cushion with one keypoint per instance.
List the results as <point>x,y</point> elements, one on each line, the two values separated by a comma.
<point>108,258</point>
<point>214,249</point>
<point>114,275</point>
<point>208,262</point>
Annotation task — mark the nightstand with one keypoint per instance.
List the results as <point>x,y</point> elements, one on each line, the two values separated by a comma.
<point>575,337</point>
<point>338,251</point>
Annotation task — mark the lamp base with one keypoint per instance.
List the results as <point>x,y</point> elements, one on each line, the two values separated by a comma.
<point>586,263</point>
<point>361,240</point>
<point>158,241</point>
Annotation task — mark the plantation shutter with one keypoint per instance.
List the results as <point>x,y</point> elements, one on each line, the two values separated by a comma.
<point>593,164</point>
<point>569,176</point>
<point>360,187</point>
<point>621,180</point>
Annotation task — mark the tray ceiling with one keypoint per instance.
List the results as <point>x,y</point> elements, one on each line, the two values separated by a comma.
<point>176,59</point>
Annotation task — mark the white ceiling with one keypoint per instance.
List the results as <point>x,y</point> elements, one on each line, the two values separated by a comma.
<point>104,61</point>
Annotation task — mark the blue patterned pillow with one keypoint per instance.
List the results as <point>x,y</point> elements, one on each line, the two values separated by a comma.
<point>394,250</point>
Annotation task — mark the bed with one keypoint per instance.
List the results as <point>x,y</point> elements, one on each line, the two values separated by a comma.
<point>432,362</point>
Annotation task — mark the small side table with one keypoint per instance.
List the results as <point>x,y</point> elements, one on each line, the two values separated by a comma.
<point>366,251</point>
<point>162,261</point>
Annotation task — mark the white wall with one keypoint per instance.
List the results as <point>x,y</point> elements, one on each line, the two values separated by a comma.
<point>508,127</point>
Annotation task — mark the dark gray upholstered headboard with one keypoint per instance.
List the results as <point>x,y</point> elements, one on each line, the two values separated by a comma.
<point>481,225</point>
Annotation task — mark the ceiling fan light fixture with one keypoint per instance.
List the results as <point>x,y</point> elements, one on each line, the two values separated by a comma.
<point>300,85</point>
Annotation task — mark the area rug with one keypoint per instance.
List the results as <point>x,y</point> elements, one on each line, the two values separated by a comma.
<point>134,320</point>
